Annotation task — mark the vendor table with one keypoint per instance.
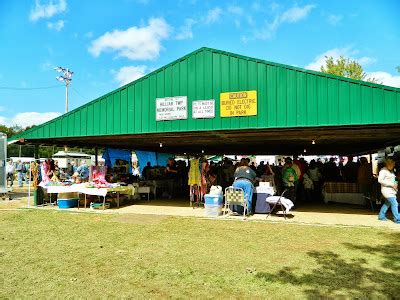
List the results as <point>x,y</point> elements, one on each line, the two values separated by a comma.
<point>102,192</point>
<point>82,189</point>
<point>343,192</point>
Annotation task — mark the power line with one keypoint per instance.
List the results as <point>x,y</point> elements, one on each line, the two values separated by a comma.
<point>27,89</point>
<point>76,91</point>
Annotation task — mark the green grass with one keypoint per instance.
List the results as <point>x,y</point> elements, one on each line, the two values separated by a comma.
<point>47,254</point>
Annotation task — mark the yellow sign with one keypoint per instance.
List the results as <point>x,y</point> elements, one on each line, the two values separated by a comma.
<point>238,104</point>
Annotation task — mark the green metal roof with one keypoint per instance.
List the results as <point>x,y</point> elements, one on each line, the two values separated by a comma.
<point>288,97</point>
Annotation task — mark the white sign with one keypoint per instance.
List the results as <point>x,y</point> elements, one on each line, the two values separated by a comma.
<point>203,109</point>
<point>171,108</point>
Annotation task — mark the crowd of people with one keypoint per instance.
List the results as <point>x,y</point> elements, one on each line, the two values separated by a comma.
<point>303,180</point>
<point>47,170</point>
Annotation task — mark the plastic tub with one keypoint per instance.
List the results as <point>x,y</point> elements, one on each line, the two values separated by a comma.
<point>210,199</point>
<point>67,203</point>
<point>212,211</point>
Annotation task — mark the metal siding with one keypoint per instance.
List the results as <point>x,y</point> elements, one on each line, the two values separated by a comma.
<point>291,100</point>
<point>286,98</point>
<point>96,117</point>
<point>333,101</point>
<point>355,104</point>
<point>234,85</point>
<point>117,112</point>
<point>281,107</point>
<point>183,88</point>
<point>145,116</point>
<point>52,126</point>
<point>322,96</point>
<point>199,95</point>
<point>311,100</point>
<point>124,111</point>
<point>217,88</point>
<point>301,104</point>
<point>344,102</point>
<point>109,114</point>
<point>225,79</point>
<point>208,85</point>
<point>243,86</point>
<point>152,104</point>
<point>160,94</point>
<point>168,93</point>
<point>262,95</point>
<point>272,97</point>
<point>74,123</point>
<point>84,121</point>
<point>46,131</point>
<point>90,121</point>
<point>59,127</point>
<point>398,107</point>
<point>191,89</point>
<point>253,76</point>
<point>138,107</point>
<point>378,104</point>
<point>65,126</point>
<point>175,90</point>
<point>390,106</point>
<point>131,108</point>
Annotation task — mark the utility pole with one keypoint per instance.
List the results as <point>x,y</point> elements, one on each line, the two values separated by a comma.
<point>67,78</point>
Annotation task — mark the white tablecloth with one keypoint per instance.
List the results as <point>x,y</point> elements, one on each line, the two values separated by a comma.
<point>81,188</point>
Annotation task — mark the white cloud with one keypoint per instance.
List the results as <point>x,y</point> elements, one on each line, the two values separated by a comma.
<point>47,10</point>
<point>213,15</point>
<point>296,14</point>
<point>129,74</point>
<point>334,19</point>
<point>185,31</point>
<point>347,52</point>
<point>385,78</point>
<point>292,15</point>
<point>57,26</point>
<point>135,43</point>
<point>235,10</point>
<point>29,118</point>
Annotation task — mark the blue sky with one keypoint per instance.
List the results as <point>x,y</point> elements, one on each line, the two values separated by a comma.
<point>109,43</point>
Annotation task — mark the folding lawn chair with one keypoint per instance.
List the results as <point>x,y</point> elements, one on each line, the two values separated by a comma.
<point>279,202</point>
<point>235,196</point>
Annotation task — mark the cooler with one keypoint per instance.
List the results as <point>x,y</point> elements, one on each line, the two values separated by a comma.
<point>67,200</point>
<point>210,199</point>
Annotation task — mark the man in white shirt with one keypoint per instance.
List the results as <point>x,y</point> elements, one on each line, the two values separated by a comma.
<point>10,172</point>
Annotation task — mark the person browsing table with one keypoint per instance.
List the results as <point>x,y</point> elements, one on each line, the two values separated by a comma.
<point>244,178</point>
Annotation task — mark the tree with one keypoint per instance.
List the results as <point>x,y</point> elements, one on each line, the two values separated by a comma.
<point>345,67</point>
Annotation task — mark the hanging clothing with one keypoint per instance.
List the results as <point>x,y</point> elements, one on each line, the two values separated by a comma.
<point>194,172</point>
<point>205,167</point>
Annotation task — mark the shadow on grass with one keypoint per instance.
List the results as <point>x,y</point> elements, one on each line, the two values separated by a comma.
<point>338,277</point>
